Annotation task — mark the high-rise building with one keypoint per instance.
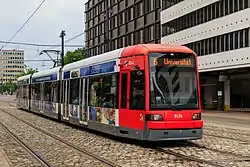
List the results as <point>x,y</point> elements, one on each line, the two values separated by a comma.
<point>219,32</point>
<point>11,64</point>
<point>112,24</point>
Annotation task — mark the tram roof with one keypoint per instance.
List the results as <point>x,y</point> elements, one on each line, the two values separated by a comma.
<point>102,58</point>
<point>115,54</point>
<point>46,72</point>
<point>24,77</point>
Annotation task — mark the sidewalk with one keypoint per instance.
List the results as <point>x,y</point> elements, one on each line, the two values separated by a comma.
<point>4,161</point>
<point>227,114</point>
<point>227,119</point>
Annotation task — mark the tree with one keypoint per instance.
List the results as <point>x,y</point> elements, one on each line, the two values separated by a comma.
<point>26,71</point>
<point>10,86</point>
<point>73,56</point>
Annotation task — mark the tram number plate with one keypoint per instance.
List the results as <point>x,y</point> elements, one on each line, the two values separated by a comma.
<point>178,116</point>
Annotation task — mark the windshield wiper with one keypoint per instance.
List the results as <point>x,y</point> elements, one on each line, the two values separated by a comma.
<point>170,105</point>
<point>162,95</point>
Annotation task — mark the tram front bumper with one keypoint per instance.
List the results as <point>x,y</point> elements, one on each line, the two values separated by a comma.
<point>180,134</point>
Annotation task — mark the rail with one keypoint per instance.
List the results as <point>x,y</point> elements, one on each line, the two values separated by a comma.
<point>86,152</point>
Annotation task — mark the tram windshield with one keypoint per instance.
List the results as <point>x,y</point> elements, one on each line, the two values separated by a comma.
<point>173,81</point>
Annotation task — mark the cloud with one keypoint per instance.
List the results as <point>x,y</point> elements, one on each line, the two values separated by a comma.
<point>45,26</point>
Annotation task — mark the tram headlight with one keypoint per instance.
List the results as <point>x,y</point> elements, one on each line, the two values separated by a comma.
<point>197,116</point>
<point>154,117</point>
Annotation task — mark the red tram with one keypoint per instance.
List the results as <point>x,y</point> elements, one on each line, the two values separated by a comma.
<point>146,92</point>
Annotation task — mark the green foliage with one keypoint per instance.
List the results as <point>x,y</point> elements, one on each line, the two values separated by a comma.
<point>8,87</point>
<point>73,56</point>
<point>26,72</point>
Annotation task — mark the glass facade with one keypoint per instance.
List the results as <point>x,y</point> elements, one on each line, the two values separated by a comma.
<point>130,22</point>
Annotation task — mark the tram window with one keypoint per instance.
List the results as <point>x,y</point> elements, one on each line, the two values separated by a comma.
<point>64,91</point>
<point>50,91</point>
<point>74,91</point>
<point>83,93</point>
<point>102,91</point>
<point>137,92</point>
<point>124,90</point>
<point>36,92</point>
<point>24,92</point>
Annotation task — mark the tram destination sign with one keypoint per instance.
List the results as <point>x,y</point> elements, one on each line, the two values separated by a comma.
<point>45,78</point>
<point>170,61</point>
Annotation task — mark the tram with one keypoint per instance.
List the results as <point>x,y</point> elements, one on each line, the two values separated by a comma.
<point>145,92</point>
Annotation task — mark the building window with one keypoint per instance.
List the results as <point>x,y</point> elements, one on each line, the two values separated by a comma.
<point>230,41</point>
<point>168,3</point>
<point>203,15</point>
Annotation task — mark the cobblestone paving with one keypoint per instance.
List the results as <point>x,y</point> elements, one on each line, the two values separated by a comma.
<point>225,145</point>
<point>239,135</point>
<point>46,146</point>
<point>18,156</point>
<point>132,155</point>
<point>127,155</point>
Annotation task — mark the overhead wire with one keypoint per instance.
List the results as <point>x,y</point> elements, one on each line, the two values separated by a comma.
<point>68,40</point>
<point>74,37</point>
<point>33,13</point>
<point>41,45</point>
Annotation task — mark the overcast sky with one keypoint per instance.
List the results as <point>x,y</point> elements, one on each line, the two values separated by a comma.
<point>44,27</point>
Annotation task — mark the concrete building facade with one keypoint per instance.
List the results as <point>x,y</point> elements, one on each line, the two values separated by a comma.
<point>113,24</point>
<point>11,64</point>
<point>219,32</point>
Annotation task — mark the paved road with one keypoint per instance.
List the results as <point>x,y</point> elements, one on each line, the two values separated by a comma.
<point>7,98</point>
<point>220,144</point>
<point>235,120</point>
<point>4,161</point>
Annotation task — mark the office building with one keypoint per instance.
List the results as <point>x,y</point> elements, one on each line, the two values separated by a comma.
<point>11,64</point>
<point>218,31</point>
<point>113,24</point>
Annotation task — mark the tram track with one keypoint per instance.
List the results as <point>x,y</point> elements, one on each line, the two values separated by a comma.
<point>82,150</point>
<point>185,157</point>
<point>238,157</point>
<point>178,154</point>
<point>229,156</point>
<point>231,131</point>
<point>217,163</point>
<point>229,138</point>
<point>36,156</point>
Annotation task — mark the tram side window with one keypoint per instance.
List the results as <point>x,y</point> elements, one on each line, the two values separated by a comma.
<point>102,91</point>
<point>18,91</point>
<point>83,93</point>
<point>74,91</point>
<point>36,92</point>
<point>124,90</point>
<point>24,92</point>
<point>50,91</point>
<point>137,91</point>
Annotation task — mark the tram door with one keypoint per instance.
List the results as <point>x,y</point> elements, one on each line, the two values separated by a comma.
<point>83,101</point>
<point>66,100</point>
<point>132,99</point>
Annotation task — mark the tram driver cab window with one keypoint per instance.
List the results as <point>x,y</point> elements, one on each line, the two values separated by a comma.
<point>137,93</point>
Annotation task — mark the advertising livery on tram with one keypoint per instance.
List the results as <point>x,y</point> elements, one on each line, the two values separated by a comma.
<point>146,92</point>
